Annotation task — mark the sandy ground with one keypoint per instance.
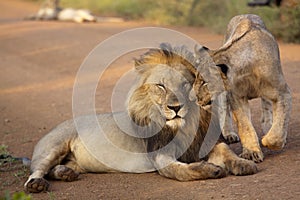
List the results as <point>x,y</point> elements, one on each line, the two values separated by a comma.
<point>39,62</point>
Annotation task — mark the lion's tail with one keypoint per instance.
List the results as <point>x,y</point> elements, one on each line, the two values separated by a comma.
<point>4,158</point>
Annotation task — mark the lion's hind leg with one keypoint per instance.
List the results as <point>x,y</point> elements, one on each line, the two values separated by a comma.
<point>41,164</point>
<point>49,152</point>
<point>221,155</point>
<point>267,115</point>
<point>35,185</point>
<point>275,139</point>
<point>67,172</point>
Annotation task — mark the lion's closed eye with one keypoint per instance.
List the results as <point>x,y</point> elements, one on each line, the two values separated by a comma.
<point>203,84</point>
<point>161,86</point>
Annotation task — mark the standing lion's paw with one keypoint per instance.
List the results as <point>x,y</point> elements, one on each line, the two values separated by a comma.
<point>243,167</point>
<point>36,185</point>
<point>231,137</point>
<point>273,142</point>
<point>256,156</point>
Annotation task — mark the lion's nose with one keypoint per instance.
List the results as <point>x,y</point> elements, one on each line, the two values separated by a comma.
<point>175,108</point>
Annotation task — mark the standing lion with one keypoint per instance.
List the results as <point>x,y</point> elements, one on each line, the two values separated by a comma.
<point>162,130</point>
<point>249,58</point>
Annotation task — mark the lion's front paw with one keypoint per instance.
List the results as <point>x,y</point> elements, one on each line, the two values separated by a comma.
<point>231,137</point>
<point>37,185</point>
<point>243,167</point>
<point>219,173</point>
<point>204,170</point>
<point>256,156</point>
<point>273,142</point>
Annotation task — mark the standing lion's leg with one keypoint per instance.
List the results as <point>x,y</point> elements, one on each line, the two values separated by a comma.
<point>221,155</point>
<point>169,167</point>
<point>227,130</point>
<point>276,137</point>
<point>246,131</point>
<point>225,119</point>
<point>267,115</point>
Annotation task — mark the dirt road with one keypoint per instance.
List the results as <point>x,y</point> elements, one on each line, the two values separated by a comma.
<point>39,62</point>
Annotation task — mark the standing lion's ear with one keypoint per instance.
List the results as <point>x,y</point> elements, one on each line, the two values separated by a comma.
<point>209,71</point>
<point>202,51</point>
<point>223,68</point>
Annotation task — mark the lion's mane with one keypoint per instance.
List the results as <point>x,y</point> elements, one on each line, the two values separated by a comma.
<point>140,105</point>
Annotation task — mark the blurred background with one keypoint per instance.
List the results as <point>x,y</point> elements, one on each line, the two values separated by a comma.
<point>281,17</point>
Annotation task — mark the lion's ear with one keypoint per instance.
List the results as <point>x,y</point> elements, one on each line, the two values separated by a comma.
<point>209,71</point>
<point>223,68</point>
<point>203,51</point>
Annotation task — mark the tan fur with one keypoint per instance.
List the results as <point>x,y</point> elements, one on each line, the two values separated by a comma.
<point>168,124</point>
<point>210,83</point>
<point>254,70</point>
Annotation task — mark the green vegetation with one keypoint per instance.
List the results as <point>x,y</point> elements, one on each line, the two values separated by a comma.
<point>12,172</point>
<point>289,29</point>
<point>16,196</point>
<point>3,149</point>
<point>283,22</point>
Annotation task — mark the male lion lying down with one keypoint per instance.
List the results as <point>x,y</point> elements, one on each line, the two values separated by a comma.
<point>168,124</point>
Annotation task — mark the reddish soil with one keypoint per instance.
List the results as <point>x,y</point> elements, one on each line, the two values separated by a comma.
<point>39,62</point>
